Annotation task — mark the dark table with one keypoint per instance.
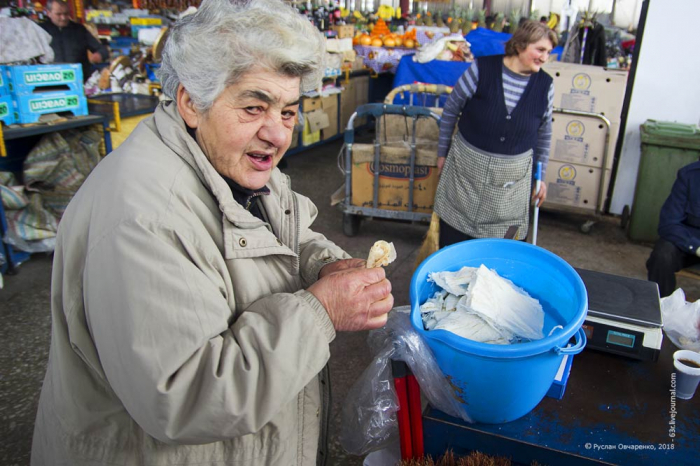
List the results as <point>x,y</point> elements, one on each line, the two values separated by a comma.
<point>129,104</point>
<point>615,411</point>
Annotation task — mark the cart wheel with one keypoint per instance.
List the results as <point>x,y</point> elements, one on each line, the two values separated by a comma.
<point>587,226</point>
<point>351,224</point>
<point>625,217</point>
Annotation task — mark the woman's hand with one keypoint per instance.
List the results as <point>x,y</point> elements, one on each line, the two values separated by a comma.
<point>342,264</point>
<point>355,298</point>
<point>539,197</point>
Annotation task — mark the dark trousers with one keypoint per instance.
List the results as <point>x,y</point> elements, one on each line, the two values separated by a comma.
<point>666,259</point>
<point>449,235</point>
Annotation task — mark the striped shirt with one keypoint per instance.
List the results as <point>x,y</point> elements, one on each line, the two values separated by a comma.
<point>513,87</point>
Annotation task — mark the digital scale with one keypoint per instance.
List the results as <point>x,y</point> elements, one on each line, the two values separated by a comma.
<point>624,315</point>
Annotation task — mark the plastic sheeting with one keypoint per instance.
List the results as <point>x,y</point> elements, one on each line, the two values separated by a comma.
<point>369,420</point>
<point>681,320</point>
<point>488,308</point>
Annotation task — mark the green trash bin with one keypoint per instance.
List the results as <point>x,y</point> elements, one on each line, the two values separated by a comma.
<point>666,148</point>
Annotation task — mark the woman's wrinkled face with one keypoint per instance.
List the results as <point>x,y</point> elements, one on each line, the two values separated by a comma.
<point>249,128</point>
<point>535,55</point>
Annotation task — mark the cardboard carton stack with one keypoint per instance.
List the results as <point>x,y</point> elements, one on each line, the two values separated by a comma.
<point>40,89</point>
<point>575,168</point>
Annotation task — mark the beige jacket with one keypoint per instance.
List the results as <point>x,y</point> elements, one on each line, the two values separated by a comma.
<point>181,331</point>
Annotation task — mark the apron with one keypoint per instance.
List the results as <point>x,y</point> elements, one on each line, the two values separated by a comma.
<point>481,194</point>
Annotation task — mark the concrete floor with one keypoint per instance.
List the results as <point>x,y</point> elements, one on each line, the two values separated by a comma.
<point>25,317</point>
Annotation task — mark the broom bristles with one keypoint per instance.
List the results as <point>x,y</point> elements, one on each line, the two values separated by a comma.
<point>431,242</point>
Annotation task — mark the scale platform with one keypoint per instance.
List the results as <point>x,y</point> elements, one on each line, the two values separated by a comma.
<point>624,315</point>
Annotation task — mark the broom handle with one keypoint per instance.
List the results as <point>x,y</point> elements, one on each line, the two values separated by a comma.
<point>538,185</point>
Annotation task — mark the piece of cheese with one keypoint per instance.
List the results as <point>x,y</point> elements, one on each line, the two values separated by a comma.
<point>382,253</point>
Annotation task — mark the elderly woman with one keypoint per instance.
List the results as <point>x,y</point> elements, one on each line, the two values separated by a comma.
<point>502,107</point>
<point>192,305</point>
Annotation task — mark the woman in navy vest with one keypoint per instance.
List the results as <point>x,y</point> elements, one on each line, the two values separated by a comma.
<point>502,107</point>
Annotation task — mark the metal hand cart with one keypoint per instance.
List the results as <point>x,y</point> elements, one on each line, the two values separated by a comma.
<point>401,210</point>
<point>394,138</point>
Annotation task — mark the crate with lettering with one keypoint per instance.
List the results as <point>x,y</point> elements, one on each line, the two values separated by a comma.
<point>7,111</point>
<point>30,107</point>
<point>27,79</point>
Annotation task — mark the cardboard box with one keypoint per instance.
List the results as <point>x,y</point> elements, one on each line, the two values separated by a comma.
<point>574,185</point>
<point>317,120</point>
<point>307,136</point>
<point>588,88</point>
<point>581,140</point>
<point>394,182</point>
<point>330,108</point>
<point>349,56</point>
<point>338,45</point>
<point>309,104</point>
<point>344,31</point>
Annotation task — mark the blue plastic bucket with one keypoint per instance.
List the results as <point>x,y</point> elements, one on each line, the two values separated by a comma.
<point>500,383</point>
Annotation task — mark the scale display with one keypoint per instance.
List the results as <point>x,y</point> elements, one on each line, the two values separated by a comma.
<point>619,338</point>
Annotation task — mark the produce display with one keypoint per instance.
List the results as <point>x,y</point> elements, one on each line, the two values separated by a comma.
<point>381,36</point>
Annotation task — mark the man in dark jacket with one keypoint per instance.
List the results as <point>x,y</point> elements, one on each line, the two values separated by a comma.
<point>71,41</point>
<point>679,230</point>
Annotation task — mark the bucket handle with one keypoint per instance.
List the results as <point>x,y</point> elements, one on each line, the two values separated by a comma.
<point>578,346</point>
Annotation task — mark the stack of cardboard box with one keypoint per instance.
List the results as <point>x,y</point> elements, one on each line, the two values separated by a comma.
<point>40,89</point>
<point>575,168</point>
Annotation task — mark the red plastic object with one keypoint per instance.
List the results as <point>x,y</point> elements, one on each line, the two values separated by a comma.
<point>403,417</point>
<point>414,408</point>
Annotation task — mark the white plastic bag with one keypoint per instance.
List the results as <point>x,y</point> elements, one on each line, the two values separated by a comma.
<point>681,320</point>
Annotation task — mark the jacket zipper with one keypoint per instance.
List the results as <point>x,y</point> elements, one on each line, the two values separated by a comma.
<point>295,202</point>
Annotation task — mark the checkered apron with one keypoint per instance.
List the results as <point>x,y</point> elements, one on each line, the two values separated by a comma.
<point>481,194</point>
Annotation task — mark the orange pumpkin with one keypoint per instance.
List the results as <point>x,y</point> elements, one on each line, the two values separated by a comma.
<point>365,40</point>
<point>409,43</point>
<point>377,42</point>
<point>389,42</point>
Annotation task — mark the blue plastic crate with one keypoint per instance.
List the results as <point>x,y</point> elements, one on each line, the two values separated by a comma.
<point>7,110</point>
<point>4,88</point>
<point>26,79</point>
<point>558,387</point>
<point>31,106</point>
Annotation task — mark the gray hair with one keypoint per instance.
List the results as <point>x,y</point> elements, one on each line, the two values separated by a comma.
<point>214,47</point>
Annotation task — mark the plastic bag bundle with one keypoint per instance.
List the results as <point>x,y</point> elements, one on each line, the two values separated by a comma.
<point>369,420</point>
<point>681,320</point>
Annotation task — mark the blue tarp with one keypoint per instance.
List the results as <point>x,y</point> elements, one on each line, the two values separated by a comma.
<point>487,42</point>
<point>483,42</point>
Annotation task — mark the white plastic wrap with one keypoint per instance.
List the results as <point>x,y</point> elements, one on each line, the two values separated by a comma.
<point>681,320</point>
<point>478,304</point>
<point>369,413</point>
